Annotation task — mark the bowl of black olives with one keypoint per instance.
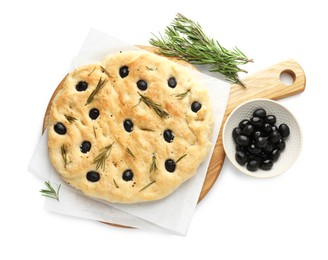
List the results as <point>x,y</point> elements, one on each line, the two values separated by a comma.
<point>262,138</point>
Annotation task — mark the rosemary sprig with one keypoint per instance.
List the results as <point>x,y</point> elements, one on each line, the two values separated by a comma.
<point>153,165</point>
<point>105,71</point>
<point>185,39</point>
<point>100,160</point>
<point>64,154</point>
<point>115,183</point>
<point>100,85</point>
<point>157,107</point>
<point>183,156</point>
<point>50,192</point>
<point>181,96</point>
<point>152,182</point>
<point>129,152</point>
<point>70,119</point>
<point>91,71</point>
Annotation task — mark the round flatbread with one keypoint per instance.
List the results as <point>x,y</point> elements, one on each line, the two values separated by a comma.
<point>132,128</point>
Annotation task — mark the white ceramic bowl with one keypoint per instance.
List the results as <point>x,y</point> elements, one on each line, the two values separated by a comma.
<point>283,115</point>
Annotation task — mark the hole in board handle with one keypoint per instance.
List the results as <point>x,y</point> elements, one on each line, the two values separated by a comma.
<point>287,77</point>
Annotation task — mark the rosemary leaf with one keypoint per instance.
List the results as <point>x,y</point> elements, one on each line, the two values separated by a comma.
<point>115,183</point>
<point>137,103</point>
<point>105,71</point>
<point>186,40</point>
<point>100,85</point>
<point>153,165</point>
<point>100,160</point>
<point>183,156</point>
<point>50,192</point>
<point>70,119</point>
<point>151,69</point>
<point>181,96</point>
<point>130,153</point>
<point>157,107</point>
<point>152,182</point>
<point>146,129</point>
<point>91,71</point>
<point>94,132</point>
<point>64,154</point>
<point>48,196</point>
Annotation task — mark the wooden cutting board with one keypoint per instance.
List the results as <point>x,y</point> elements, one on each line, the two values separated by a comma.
<point>263,84</point>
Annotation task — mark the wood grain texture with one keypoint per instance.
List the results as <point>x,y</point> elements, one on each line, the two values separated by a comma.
<point>263,84</point>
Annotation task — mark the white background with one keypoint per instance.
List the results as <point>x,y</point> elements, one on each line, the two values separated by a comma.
<point>242,217</point>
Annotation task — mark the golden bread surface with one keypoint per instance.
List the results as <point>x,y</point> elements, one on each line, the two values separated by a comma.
<point>130,129</point>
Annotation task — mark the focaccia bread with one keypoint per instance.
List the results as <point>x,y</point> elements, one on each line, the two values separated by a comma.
<point>132,128</point>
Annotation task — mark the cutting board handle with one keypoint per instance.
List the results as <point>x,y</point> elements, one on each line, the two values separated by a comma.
<point>267,84</point>
<point>263,84</point>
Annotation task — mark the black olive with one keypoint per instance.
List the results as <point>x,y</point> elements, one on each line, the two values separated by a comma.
<point>128,125</point>
<point>241,157</point>
<point>251,156</point>
<point>85,146</point>
<point>257,134</point>
<point>93,176</point>
<point>268,147</point>
<point>271,119</point>
<point>248,130</point>
<point>284,130</point>
<point>262,155</point>
<point>94,113</point>
<point>257,121</point>
<point>243,123</point>
<point>127,175</point>
<point>281,145</point>
<point>172,82</point>
<point>274,136</point>
<point>242,140</point>
<point>261,141</point>
<point>168,135</point>
<point>142,85</point>
<point>253,149</point>
<point>60,128</point>
<point>241,148</point>
<point>124,71</point>
<point>275,155</point>
<point>274,128</point>
<point>170,165</point>
<point>235,133</point>
<point>196,106</point>
<point>81,86</point>
<point>253,165</point>
<point>260,112</point>
<point>266,164</point>
<point>266,128</point>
